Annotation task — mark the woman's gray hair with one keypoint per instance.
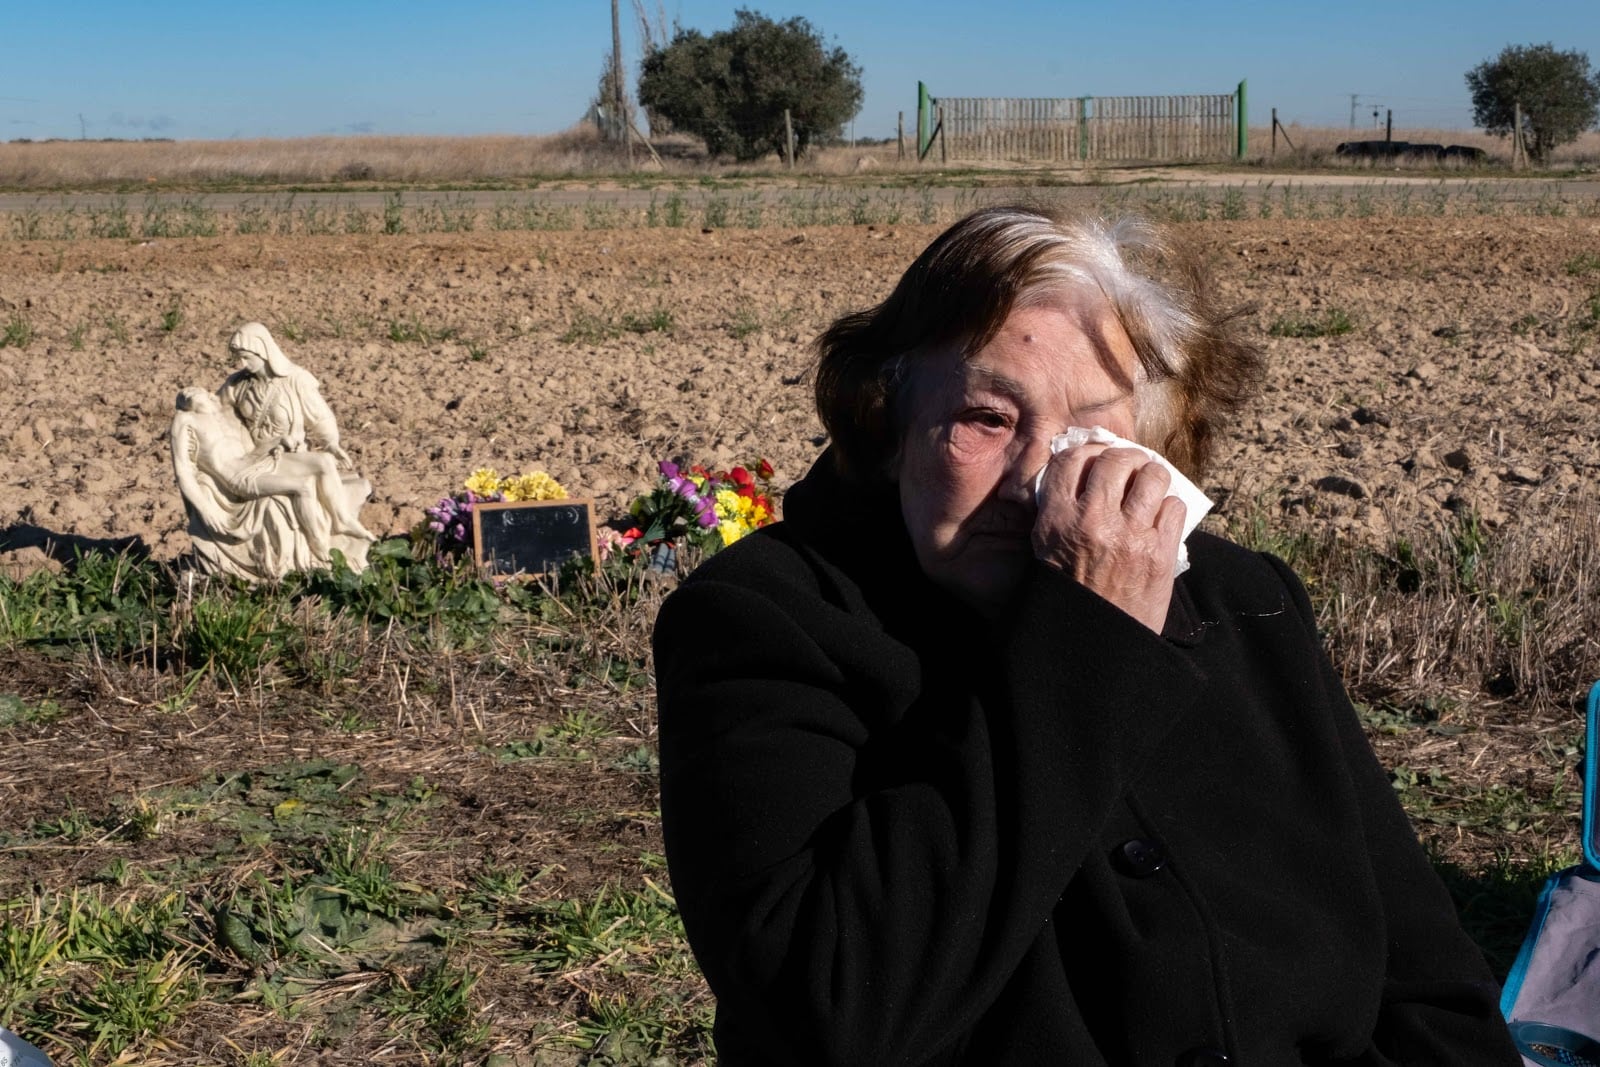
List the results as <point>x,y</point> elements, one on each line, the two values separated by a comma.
<point>1193,368</point>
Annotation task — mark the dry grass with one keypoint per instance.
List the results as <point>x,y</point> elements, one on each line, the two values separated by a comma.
<point>382,161</point>
<point>309,160</point>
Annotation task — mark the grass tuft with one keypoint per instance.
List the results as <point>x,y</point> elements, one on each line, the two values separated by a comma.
<point>1335,322</point>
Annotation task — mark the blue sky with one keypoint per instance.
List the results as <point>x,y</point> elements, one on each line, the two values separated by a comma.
<point>206,70</point>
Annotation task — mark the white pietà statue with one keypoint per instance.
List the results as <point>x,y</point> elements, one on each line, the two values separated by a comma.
<point>259,466</point>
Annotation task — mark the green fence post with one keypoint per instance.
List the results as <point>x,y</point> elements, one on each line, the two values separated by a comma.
<point>1083,127</point>
<point>922,121</point>
<point>1242,119</point>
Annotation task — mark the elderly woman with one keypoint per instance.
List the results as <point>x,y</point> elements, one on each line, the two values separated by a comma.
<point>954,770</point>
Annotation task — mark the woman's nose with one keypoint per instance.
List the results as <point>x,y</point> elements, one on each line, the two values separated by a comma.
<point>1031,454</point>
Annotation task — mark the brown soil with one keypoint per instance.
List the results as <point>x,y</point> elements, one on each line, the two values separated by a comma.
<point>1467,379</point>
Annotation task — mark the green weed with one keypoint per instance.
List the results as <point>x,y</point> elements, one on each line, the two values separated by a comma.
<point>1583,263</point>
<point>18,332</point>
<point>14,711</point>
<point>412,330</point>
<point>615,930</point>
<point>657,320</point>
<point>236,635</point>
<point>129,1004</point>
<point>394,214</point>
<point>745,322</point>
<point>1233,203</point>
<point>354,867</point>
<point>1334,322</point>
<point>590,329</point>
<point>440,998</point>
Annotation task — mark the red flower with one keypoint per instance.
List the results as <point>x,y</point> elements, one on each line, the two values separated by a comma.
<point>739,476</point>
<point>764,469</point>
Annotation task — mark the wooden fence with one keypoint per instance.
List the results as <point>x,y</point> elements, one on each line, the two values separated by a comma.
<point>1102,129</point>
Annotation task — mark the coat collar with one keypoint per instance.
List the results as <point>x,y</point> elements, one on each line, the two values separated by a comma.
<point>860,530</point>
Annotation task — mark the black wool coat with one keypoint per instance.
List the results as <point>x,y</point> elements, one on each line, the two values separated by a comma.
<point>899,834</point>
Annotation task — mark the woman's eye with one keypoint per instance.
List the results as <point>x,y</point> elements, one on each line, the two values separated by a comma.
<point>988,419</point>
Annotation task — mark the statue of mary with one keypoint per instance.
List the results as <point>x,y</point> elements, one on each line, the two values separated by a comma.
<point>264,479</point>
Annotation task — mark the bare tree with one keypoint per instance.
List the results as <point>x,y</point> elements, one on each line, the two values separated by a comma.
<point>655,33</point>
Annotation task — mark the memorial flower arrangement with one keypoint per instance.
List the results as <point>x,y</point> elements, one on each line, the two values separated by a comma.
<point>449,522</point>
<point>704,508</point>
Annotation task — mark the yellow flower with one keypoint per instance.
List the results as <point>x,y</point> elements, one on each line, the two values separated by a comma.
<point>731,531</point>
<point>727,504</point>
<point>535,486</point>
<point>484,481</point>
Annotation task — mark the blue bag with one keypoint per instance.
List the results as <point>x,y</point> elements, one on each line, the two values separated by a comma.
<point>1551,999</point>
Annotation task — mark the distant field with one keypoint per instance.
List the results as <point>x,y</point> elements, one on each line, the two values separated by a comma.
<point>512,161</point>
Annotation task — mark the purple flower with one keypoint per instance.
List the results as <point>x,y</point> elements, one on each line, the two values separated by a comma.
<point>668,469</point>
<point>707,518</point>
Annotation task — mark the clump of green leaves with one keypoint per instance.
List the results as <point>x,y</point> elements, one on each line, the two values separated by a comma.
<point>1334,322</point>
<point>18,332</point>
<point>1583,263</point>
<point>14,711</point>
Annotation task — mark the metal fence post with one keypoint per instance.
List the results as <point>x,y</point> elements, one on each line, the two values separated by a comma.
<point>1242,122</point>
<point>923,132</point>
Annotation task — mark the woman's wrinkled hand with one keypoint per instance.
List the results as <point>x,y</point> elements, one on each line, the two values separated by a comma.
<point>1105,518</point>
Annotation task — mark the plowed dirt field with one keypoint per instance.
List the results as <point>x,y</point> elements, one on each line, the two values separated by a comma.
<point>1467,377</point>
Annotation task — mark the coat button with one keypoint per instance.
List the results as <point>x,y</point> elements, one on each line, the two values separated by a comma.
<point>1204,1057</point>
<point>1139,857</point>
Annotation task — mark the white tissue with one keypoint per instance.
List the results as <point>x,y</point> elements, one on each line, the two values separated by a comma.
<point>1195,503</point>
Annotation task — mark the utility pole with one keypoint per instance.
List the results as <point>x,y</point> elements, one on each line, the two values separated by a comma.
<point>1353,109</point>
<point>620,101</point>
<point>83,128</point>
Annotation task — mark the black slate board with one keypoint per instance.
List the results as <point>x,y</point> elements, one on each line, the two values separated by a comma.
<point>531,538</point>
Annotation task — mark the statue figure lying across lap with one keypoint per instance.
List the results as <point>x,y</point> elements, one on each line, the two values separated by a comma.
<point>259,465</point>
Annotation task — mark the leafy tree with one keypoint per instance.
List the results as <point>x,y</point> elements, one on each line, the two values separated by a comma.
<point>1559,98</point>
<point>732,88</point>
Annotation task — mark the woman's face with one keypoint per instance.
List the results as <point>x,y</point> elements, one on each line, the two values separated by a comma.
<point>980,431</point>
<point>250,361</point>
